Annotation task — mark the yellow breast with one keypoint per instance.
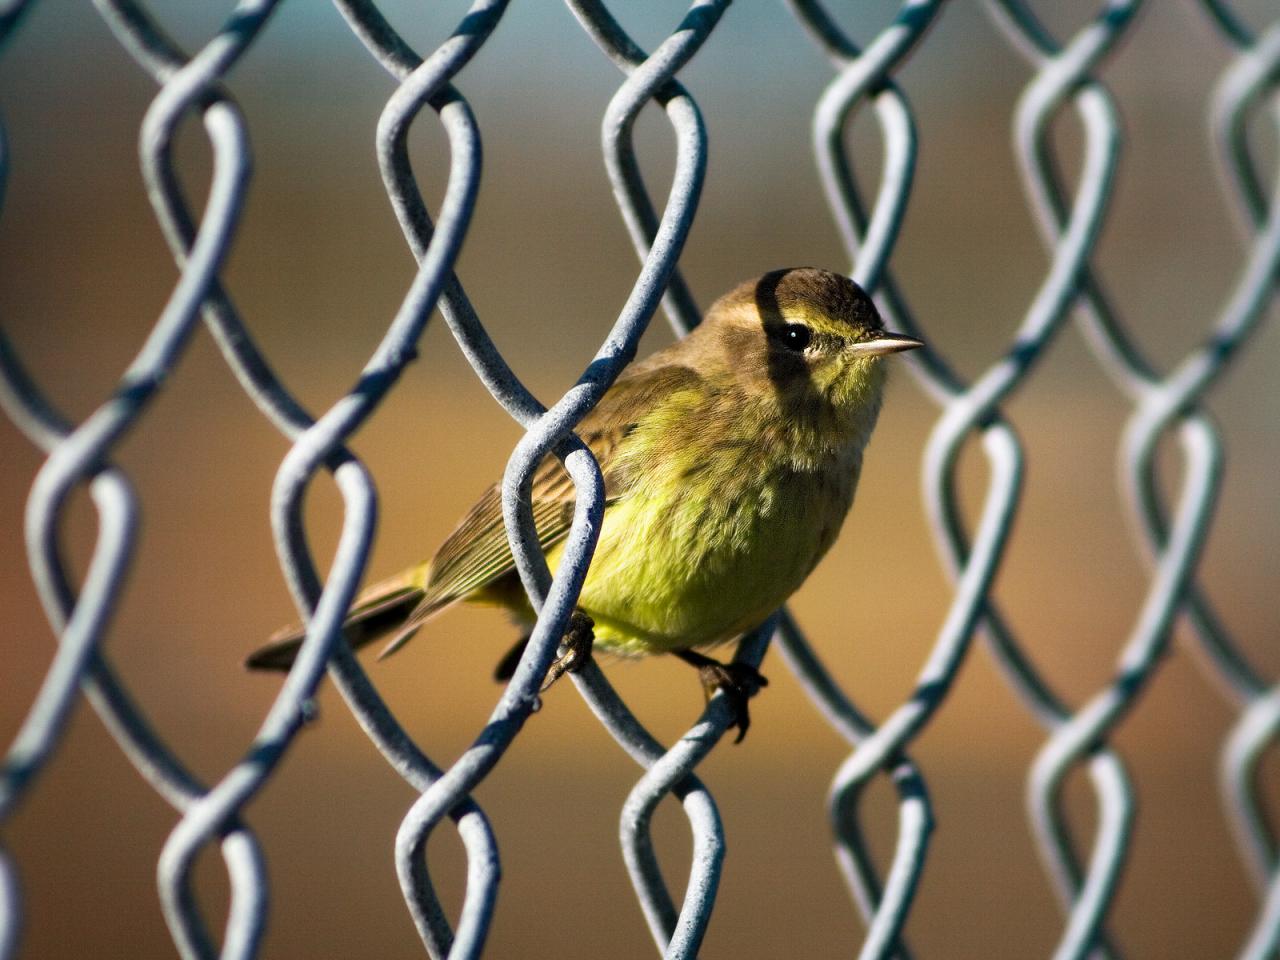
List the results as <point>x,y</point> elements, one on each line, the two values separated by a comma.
<point>700,563</point>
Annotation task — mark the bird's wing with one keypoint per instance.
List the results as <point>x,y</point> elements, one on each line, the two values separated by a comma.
<point>476,555</point>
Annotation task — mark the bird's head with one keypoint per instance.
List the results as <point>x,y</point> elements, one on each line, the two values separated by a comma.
<point>811,336</point>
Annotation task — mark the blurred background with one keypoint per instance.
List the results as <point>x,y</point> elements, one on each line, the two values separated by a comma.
<point>319,269</point>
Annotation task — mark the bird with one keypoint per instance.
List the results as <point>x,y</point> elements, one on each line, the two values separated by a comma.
<point>730,459</point>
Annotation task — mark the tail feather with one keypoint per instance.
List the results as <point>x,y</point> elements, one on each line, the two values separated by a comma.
<point>383,612</point>
<point>425,609</point>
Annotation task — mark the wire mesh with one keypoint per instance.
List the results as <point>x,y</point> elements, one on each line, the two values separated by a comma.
<point>1170,519</point>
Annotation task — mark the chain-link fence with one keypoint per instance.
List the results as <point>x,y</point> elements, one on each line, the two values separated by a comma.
<point>1170,469</point>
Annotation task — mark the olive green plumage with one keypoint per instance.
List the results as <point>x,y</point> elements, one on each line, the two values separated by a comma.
<point>730,459</point>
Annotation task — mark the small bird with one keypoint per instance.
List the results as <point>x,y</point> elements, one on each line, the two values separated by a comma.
<point>730,459</point>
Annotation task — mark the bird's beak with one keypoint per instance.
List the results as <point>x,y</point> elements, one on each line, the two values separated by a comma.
<point>885,343</point>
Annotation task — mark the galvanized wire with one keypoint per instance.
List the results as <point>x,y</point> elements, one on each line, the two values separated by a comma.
<point>870,237</point>
<point>1163,404</point>
<point>975,408</point>
<point>1250,86</point>
<point>81,454</point>
<point>548,430</point>
<point>214,812</point>
<point>1064,79</point>
<point>1172,533</point>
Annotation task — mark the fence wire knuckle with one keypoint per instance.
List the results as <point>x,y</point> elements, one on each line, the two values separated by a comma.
<point>1170,509</point>
<point>1249,85</point>
<point>869,237</point>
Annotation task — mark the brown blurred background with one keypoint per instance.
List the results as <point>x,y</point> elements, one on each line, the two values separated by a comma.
<point>318,270</point>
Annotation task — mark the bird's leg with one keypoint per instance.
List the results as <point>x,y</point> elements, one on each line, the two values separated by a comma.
<point>577,642</point>
<point>739,682</point>
<point>506,668</point>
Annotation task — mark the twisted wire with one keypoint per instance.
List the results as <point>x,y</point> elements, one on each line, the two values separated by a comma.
<point>870,238</point>
<point>677,937</point>
<point>1249,85</point>
<point>78,455</point>
<point>967,408</point>
<point>1162,405</point>
<point>426,82</point>
<point>325,608</point>
<point>1172,531</point>
<point>1065,71</point>
<point>446,789</point>
<point>547,431</point>
<point>163,59</point>
<point>676,932</point>
<point>80,620</point>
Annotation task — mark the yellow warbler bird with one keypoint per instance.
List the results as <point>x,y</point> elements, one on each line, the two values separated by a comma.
<point>730,459</point>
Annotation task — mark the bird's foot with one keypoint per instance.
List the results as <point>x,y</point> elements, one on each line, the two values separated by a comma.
<point>577,642</point>
<point>739,682</point>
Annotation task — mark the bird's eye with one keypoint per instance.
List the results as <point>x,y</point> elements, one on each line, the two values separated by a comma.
<point>796,336</point>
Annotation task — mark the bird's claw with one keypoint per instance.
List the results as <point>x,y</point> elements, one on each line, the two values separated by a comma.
<point>577,642</point>
<point>739,682</point>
